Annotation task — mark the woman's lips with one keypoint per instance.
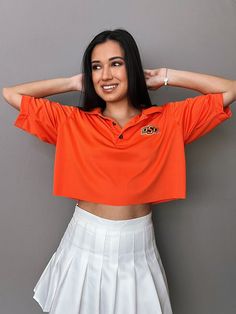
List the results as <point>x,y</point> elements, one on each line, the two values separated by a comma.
<point>109,88</point>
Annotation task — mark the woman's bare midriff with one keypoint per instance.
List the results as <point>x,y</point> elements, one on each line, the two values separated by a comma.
<point>115,212</point>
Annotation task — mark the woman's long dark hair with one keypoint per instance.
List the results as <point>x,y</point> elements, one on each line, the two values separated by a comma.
<point>137,89</point>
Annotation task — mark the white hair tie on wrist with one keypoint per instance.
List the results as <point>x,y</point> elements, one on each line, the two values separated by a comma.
<point>166,78</point>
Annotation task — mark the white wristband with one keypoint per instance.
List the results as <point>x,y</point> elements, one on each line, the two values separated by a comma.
<point>166,78</point>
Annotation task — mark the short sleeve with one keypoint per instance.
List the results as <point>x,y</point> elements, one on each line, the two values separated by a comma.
<point>199,115</point>
<point>42,117</point>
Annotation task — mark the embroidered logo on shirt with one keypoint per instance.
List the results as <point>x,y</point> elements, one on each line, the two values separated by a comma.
<point>149,130</point>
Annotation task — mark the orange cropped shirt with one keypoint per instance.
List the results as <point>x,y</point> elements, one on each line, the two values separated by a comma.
<point>98,161</point>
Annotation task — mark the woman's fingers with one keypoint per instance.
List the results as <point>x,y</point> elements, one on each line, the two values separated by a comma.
<point>148,72</point>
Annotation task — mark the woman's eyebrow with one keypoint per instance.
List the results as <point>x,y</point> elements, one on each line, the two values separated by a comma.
<point>117,57</point>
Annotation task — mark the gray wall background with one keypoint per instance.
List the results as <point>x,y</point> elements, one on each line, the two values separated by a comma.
<point>196,236</point>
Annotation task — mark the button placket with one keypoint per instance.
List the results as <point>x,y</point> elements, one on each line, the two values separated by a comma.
<point>118,130</point>
<point>120,136</point>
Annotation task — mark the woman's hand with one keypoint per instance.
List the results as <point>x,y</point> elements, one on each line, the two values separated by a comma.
<point>77,82</point>
<point>154,78</point>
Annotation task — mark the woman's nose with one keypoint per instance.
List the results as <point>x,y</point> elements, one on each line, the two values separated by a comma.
<point>106,73</point>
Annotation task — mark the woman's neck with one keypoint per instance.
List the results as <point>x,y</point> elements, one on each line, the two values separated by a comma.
<point>120,110</point>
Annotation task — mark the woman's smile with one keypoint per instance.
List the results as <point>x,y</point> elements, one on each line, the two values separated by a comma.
<point>109,88</point>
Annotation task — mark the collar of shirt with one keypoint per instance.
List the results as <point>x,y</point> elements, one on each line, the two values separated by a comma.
<point>145,111</point>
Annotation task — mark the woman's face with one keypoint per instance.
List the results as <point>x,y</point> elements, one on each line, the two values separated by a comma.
<point>109,71</point>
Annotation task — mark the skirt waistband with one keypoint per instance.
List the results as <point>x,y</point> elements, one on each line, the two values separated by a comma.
<point>84,217</point>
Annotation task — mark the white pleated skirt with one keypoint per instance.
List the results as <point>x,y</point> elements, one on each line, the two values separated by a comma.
<point>105,266</point>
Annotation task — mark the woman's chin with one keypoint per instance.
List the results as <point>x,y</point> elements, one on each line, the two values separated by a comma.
<point>112,96</point>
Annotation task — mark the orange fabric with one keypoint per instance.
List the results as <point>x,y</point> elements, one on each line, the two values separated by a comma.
<point>147,165</point>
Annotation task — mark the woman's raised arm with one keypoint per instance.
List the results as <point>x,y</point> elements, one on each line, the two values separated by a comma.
<point>203,83</point>
<point>42,88</point>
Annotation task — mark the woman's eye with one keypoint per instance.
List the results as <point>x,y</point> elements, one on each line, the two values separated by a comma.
<point>94,67</point>
<point>116,63</point>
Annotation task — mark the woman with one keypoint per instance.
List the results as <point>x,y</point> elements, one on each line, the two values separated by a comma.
<point>116,155</point>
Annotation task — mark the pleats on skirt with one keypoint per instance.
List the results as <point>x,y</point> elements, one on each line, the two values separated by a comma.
<point>105,266</point>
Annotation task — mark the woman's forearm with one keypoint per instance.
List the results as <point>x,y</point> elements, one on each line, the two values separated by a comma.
<point>203,83</point>
<point>43,88</point>
<point>13,94</point>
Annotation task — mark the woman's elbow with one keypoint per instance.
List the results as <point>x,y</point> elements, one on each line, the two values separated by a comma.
<point>12,98</point>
